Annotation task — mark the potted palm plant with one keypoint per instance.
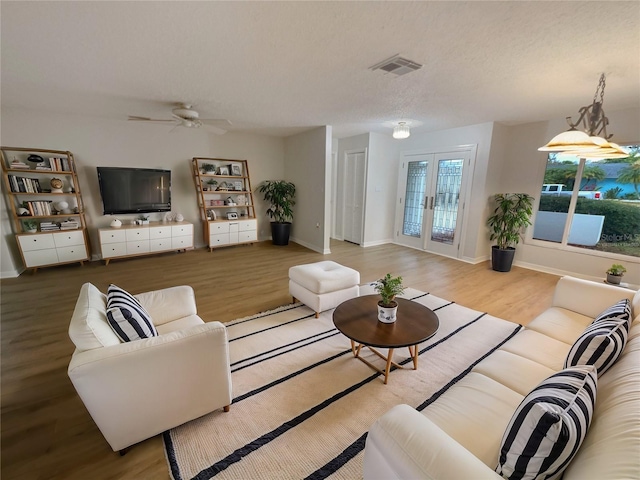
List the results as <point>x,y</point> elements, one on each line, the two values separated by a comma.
<point>388,287</point>
<point>615,274</point>
<point>279,194</point>
<point>511,215</point>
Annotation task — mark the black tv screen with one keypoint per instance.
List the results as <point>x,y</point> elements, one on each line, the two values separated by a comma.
<point>134,190</point>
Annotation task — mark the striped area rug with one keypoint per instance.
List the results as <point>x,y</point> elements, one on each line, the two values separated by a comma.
<point>302,404</point>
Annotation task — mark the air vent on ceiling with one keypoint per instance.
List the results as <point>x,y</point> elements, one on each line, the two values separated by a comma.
<point>397,65</point>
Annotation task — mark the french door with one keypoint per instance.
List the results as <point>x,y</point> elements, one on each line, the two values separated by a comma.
<point>431,201</point>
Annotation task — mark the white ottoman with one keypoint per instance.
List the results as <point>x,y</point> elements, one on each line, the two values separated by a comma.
<point>323,285</point>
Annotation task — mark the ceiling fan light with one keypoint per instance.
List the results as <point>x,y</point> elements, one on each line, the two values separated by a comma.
<point>401,131</point>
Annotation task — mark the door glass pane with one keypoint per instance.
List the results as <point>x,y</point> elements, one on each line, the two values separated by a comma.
<point>447,197</point>
<point>414,198</point>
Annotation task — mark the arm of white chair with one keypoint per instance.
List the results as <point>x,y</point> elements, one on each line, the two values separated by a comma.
<point>169,304</point>
<point>586,297</point>
<point>138,389</point>
<point>404,444</point>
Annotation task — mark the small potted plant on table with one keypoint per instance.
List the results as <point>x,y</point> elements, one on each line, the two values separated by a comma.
<point>615,274</point>
<point>388,287</point>
<point>30,226</point>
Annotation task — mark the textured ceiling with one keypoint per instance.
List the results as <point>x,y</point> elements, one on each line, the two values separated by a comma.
<point>279,68</point>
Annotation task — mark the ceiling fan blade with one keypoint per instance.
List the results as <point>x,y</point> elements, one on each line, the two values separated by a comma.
<point>216,121</point>
<point>147,119</point>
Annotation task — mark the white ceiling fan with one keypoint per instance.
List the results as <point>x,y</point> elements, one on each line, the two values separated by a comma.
<point>185,116</point>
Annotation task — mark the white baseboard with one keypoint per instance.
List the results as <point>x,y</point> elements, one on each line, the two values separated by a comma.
<point>325,251</point>
<point>11,273</point>
<point>377,242</point>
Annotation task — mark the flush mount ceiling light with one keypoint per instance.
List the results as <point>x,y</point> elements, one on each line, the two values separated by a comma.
<point>588,143</point>
<point>401,130</point>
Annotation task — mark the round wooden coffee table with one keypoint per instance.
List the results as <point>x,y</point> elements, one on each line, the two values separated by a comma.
<point>358,320</point>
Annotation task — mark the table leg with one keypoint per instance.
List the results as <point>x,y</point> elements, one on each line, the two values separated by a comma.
<point>389,360</point>
<point>413,351</point>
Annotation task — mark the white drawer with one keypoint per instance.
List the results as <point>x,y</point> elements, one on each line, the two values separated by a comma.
<point>114,250</point>
<point>72,253</point>
<point>215,228</point>
<point>234,227</point>
<point>66,239</point>
<point>248,225</point>
<point>134,248</point>
<point>182,242</point>
<point>136,234</point>
<point>112,236</point>
<point>160,232</point>
<point>219,239</point>
<point>36,258</point>
<point>36,242</point>
<point>159,244</point>
<point>248,236</point>
<point>181,230</point>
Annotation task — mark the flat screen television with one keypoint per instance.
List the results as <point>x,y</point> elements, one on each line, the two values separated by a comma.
<point>134,190</point>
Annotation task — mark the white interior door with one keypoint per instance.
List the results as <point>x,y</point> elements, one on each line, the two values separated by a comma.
<point>432,190</point>
<point>354,181</point>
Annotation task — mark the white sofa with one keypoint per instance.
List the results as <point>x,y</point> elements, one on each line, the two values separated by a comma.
<point>458,436</point>
<point>138,389</point>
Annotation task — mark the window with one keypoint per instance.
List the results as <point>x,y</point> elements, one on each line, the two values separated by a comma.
<point>591,204</point>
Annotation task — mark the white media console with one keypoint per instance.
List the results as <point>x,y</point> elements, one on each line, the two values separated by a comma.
<point>134,240</point>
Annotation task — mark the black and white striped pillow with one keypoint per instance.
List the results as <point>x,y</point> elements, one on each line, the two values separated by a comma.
<point>600,344</point>
<point>128,319</point>
<point>620,310</point>
<point>549,426</point>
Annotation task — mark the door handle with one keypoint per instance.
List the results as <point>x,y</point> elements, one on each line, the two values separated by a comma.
<point>426,202</point>
<point>431,204</point>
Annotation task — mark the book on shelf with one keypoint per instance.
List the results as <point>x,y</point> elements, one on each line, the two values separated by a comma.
<point>49,226</point>
<point>60,164</point>
<point>24,184</point>
<point>19,164</point>
<point>69,225</point>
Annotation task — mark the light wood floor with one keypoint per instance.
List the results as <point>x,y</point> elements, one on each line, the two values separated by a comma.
<point>46,431</point>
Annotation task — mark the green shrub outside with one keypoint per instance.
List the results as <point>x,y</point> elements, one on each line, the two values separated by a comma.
<point>619,218</point>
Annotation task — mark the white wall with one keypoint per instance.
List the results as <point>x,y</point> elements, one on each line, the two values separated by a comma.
<point>381,189</point>
<point>307,163</point>
<point>524,171</point>
<point>97,141</point>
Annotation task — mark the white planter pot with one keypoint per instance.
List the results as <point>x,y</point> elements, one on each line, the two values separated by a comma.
<point>614,279</point>
<point>387,314</point>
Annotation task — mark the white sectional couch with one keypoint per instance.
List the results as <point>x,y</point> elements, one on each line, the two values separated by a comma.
<point>459,435</point>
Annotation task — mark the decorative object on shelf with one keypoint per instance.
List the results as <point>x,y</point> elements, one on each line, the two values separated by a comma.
<point>388,287</point>
<point>179,217</point>
<point>237,186</point>
<point>62,207</point>
<point>235,169</point>
<point>511,215</point>
<point>615,274</point>
<point>241,200</point>
<point>279,194</point>
<point>115,223</point>
<point>232,215</point>
<point>35,158</point>
<point>209,168</point>
<point>30,226</point>
<point>56,185</point>
<point>223,170</point>
<point>229,201</point>
<point>223,187</point>
<point>212,184</point>
<point>211,215</point>
<point>23,212</point>
<point>168,217</point>
<point>142,220</point>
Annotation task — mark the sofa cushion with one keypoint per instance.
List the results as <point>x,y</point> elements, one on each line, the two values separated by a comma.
<point>128,319</point>
<point>540,348</point>
<point>601,344</point>
<point>621,310</point>
<point>549,425</point>
<point>89,328</point>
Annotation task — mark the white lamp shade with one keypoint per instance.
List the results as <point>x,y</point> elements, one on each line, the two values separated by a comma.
<point>401,131</point>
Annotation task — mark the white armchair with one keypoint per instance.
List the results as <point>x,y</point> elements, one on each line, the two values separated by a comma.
<point>139,389</point>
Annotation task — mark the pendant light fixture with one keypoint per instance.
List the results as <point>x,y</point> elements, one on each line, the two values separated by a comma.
<point>588,143</point>
<point>401,131</point>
